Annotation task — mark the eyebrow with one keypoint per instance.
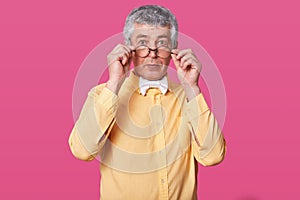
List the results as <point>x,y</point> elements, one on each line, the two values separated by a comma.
<point>147,36</point>
<point>162,36</point>
<point>141,36</point>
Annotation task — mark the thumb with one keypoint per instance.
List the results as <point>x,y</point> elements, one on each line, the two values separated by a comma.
<point>175,61</point>
<point>126,70</point>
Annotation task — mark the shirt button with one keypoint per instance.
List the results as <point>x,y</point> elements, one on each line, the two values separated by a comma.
<point>162,180</point>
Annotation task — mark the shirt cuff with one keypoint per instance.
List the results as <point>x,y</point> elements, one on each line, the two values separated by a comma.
<point>106,98</point>
<point>96,116</point>
<point>196,107</point>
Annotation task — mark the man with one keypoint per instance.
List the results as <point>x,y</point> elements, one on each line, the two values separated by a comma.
<point>148,132</point>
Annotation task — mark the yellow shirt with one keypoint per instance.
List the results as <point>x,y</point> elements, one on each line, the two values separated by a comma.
<point>148,146</point>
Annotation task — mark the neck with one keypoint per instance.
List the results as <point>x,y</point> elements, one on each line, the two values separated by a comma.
<point>138,75</point>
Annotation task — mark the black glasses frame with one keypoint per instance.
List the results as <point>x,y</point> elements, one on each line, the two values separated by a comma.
<point>155,50</point>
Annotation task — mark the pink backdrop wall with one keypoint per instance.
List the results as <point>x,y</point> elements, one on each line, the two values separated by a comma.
<point>255,45</point>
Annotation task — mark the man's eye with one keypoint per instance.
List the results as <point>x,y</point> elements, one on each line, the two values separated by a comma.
<point>161,42</point>
<point>142,42</point>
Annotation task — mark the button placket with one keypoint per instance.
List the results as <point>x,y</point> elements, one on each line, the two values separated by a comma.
<point>157,99</point>
<point>163,154</point>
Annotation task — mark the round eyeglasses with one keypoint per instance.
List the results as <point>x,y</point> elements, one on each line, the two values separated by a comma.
<point>144,51</point>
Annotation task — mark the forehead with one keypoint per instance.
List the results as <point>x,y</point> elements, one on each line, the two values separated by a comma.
<point>150,32</point>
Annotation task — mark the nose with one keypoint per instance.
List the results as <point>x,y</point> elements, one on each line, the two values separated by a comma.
<point>153,53</point>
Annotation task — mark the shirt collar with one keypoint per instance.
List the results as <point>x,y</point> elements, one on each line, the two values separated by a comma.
<point>133,83</point>
<point>145,84</point>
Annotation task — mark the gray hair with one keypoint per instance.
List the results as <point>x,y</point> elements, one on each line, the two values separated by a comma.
<point>151,15</point>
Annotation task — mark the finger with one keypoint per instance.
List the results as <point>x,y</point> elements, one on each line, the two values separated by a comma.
<point>126,69</point>
<point>184,59</point>
<point>128,53</point>
<point>193,64</point>
<point>117,54</point>
<point>118,58</point>
<point>183,52</point>
<point>127,49</point>
<point>175,61</point>
<point>186,64</point>
<point>125,59</point>
<point>120,48</point>
<point>122,56</point>
<point>120,53</point>
<point>175,51</point>
<point>129,61</point>
<point>130,48</point>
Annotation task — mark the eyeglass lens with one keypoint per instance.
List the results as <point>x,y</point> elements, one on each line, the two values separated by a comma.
<point>144,51</point>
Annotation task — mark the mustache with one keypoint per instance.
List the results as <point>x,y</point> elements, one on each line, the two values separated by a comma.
<point>153,64</point>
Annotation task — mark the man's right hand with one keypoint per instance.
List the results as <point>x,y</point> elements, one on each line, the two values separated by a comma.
<point>119,60</point>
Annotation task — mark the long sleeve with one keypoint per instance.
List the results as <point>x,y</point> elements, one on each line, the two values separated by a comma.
<point>208,143</point>
<point>93,126</point>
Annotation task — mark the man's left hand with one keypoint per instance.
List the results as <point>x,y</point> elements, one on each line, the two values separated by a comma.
<point>188,70</point>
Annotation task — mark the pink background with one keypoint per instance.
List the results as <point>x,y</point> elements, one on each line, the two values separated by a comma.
<point>255,45</point>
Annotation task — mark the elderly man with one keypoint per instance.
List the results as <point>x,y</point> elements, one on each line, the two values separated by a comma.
<point>148,132</point>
